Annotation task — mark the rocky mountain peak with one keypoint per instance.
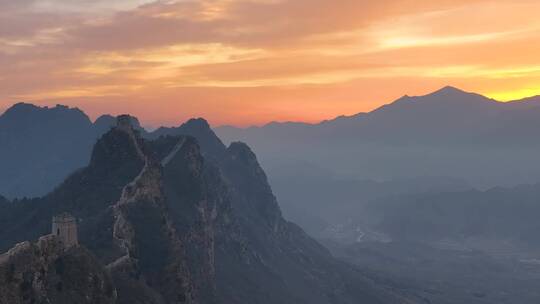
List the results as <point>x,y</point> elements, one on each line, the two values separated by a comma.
<point>21,107</point>
<point>198,123</point>
<point>29,112</point>
<point>119,147</point>
<point>449,90</point>
<point>211,145</point>
<point>243,157</point>
<point>446,97</point>
<point>255,197</point>
<point>241,151</point>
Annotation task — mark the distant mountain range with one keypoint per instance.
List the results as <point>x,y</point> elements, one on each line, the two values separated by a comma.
<point>446,133</point>
<point>448,116</point>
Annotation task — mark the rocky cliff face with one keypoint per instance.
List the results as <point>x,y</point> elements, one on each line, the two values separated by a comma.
<point>43,272</point>
<point>143,210</point>
<point>177,223</point>
<point>164,228</point>
<point>269,260</point>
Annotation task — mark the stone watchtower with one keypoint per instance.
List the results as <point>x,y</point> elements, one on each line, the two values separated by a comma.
<point>64,226</point>
<point>123,122</point>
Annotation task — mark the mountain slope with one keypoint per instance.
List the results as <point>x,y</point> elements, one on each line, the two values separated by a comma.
<point>173,226</point>
<point>45,272</point>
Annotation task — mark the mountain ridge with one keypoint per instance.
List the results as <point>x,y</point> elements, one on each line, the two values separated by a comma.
<point>175,227</point>
<point>65,142</point>
<point>445,133</point>
<point>446,91</point>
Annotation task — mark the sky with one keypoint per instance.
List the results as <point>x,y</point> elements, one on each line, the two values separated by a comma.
<point>249,62</point>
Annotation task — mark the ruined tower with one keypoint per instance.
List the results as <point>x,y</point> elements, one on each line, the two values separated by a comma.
<point>123,122</point>
<point>64,226</point>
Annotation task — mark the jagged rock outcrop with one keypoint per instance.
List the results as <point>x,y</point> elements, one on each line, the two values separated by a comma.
<point>46,272</point>
<point>175,263</point>
<point>148,223</point>
<point>260,257</point>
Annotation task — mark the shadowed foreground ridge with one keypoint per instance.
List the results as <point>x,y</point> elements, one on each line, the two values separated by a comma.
<point>173,224</point>
<point>45,272</point>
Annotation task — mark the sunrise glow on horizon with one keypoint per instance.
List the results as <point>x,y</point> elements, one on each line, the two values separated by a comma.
<point>249,62</point>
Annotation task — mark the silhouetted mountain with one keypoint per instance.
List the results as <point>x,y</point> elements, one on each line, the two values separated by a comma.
<point>39,147</point>
<point>525,103</point>
<point>173,226</point>
<point>198,128</point>
<point>446,133</point>
<point>447,116</point>
<point>104,123</point>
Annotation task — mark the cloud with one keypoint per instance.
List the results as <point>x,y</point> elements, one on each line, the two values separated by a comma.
<point>109,50</point>
<point>242,22</point>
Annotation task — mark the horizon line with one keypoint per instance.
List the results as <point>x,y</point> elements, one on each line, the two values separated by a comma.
<point>148,126</point>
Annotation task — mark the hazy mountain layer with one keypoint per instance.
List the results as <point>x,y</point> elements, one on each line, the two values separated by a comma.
<point>173,226</point>
<point>40,147</point>
<point>447,133</point>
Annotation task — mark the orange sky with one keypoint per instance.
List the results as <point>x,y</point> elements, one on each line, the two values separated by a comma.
<point>246,62</point>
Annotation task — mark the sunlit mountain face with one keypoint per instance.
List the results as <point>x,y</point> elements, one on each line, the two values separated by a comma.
<point>245,62</point>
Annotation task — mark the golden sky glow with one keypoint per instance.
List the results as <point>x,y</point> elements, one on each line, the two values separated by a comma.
<point>248,62</point>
